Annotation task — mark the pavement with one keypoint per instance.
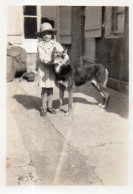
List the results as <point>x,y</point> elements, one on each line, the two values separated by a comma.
<point>88,148</point>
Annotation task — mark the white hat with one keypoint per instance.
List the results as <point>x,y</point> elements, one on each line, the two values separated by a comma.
<point>45,27</point>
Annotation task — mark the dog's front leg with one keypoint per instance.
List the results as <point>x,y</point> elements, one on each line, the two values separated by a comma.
<point>61,93</point>
<point>70,101</point>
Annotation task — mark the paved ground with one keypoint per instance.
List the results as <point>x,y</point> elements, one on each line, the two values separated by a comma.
<point>88,148</point>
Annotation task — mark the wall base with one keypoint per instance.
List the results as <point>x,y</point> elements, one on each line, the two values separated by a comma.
<point>118,85</point>
<point>31,62</point>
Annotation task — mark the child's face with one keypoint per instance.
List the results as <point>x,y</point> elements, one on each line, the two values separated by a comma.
<point>47,36</point>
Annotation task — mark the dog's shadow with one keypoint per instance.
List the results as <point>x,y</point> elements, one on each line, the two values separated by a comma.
<point>75,100</point>
<point>118,103</point>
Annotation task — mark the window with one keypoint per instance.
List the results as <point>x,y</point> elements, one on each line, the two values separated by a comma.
<point>118,20</point>
<point>114,19</point>
<point>30,21</point>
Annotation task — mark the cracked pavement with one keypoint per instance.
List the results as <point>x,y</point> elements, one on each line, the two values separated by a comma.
<point>88,148</point>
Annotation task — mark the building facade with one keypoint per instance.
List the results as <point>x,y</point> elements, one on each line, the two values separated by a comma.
<point>98,33</point>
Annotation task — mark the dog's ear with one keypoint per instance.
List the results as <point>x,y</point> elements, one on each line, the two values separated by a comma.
<point>65,51</point>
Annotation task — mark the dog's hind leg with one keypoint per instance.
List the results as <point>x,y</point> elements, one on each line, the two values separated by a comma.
<point>106,98</point>
<point>61,93</point>
<point>105,95</point>
<point>103,90</point>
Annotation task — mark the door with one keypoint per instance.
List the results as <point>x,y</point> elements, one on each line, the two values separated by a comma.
<point>77,34</point>
<point>92,30</point>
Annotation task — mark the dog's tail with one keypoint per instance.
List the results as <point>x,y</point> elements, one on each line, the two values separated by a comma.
<point>106,78</point>
<point>104,83</point>
<point>102,77</point>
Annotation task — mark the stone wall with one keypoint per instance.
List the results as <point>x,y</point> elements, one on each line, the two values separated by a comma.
<point>112,51</point>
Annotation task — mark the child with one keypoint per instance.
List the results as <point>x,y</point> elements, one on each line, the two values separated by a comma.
<point>46,68</point>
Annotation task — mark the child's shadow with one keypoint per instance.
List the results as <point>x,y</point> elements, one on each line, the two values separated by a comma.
<point>29,102</point>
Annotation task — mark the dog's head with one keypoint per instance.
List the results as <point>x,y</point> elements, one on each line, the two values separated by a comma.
<point>59,59</point>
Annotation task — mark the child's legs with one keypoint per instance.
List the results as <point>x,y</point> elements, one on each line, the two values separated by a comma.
<point>44,98</point>
<point>50,97</point>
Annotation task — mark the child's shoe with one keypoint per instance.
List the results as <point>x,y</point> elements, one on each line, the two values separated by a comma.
<point>43,112</point>
<point>51,110</point>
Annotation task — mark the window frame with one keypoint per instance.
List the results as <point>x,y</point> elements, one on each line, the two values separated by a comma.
<point>116,12</point>
<point>30,45</point>
<point>110,22</point>
<point>38,16</point>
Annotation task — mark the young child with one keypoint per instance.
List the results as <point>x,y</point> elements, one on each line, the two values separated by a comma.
<point>46,69</point>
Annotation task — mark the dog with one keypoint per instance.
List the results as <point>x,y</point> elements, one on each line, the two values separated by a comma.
<point>68,76</point>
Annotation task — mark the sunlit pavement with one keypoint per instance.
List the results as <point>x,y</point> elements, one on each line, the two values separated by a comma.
<point>87,148</point>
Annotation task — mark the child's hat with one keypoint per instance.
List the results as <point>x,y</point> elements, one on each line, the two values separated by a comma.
<point>45,27</point>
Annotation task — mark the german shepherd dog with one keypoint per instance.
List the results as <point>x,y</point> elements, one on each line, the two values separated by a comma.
<point>68,76</point>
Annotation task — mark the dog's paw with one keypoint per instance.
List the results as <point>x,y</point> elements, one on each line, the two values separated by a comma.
<point>100,105</point>
<point>103,106</point>
<point>67,114</point>
<point>58,110</point>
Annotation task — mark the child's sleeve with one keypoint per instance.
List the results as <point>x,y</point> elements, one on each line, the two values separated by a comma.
<point>59,47</point>
<point>43,55</point>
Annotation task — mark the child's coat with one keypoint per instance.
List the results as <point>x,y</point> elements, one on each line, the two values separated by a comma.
<point>46,76</point>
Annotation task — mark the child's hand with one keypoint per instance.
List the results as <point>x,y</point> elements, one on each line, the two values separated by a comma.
<point>48,63</point>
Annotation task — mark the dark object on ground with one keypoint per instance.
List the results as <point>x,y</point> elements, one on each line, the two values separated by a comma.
<point>16,62</point>
<point>28,76</point>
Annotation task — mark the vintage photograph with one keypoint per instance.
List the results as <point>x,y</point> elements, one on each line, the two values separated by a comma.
<point>67,95</point>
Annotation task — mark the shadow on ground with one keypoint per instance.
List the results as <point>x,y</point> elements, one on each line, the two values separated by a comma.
<point>28,103</point>
<point>117,104</point>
